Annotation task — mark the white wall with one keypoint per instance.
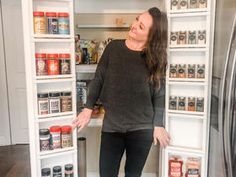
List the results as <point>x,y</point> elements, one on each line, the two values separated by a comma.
<point>4,115</point>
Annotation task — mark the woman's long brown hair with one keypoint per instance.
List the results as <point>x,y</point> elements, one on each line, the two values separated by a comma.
<point>156,47</point>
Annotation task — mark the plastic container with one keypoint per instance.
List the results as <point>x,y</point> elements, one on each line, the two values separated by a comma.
<point>63,23</point>
<point>53,64</point>
<point>65,65</point>
<point>41,64</point>
<point>44,138</point>
<point>46,172</point>
<point>39,23</point>
<point>69,170</point>
<point>57,171</point>
<point>43,103</point>
<point>55,137</point>
<point>66,102</point>
<point>66,136</point>
<point>55,102</point>
<point>52,22</point>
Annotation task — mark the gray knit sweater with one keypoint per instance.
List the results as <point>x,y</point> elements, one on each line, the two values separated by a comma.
<point>120,81</point>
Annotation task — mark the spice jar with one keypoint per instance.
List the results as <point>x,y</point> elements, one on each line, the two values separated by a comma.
<point>66,136</point>
<point>57,171</point>
<point>52,22</point>
<point>173,103</point>
<point>66,102</point>
<point>46,172</point>
<point>192,38</point>
<point>41,64</point>
<point>191,71</point>
<point>182,37</point>
<point>65,63</point>
<point>81,94</point>
<point>174,4</point>
<point>175,166</point>
<point>191,104</point>
<point>200,105</point>
<point>44,138</point>
<point>201,71</point>
<point>202,3</point>
<point>181,103</point>
<point>182,71</point>
<point>39,23</point>
<point>54,102</point>
<point>55,137</point>
<point>43,104</point>
<point>69,170</point>
<point>53,64</point>
<point>174,38</point>
<point>63,23</point>
<point>202,37</point>
<point>173,70</point>
<point>193,4</point>
<point>192,167</point>
<point>183,4</point>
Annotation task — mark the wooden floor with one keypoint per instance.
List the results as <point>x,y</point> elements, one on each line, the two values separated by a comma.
<point>14,161</point>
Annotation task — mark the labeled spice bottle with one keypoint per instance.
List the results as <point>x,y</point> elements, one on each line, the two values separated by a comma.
<point>191,71</point>
<point>69,170</point>
<point>66,102</point>
<point>192,37</point>
<point>53,64</point>
<point>191,104</point>
<point>173,70</point>
<point>200,105</point>
<point>201,71</point>
<point>175,166</point>
<point>55,137</point>
<point>202,4</point>
<point>39,23</point>
<point>182,71</point>
<point>52,22</point>
<point>63,23</point>
<point>41,64</point>
<point>193,4</point>
<point>183,4</point>
<point>181,103</point>
<point>192,167</point>
<point>202,37</point>
<point>43,103</point>
<point>174,38</point>
<point>66,136</point>
<point>57,171</point>
<point>46,172</point>
<point>174,4</point>
<point>173,103</point>
<point>44,138</point>
<point>182,37</point>
<point>54,102</point>
<point>64,60</point>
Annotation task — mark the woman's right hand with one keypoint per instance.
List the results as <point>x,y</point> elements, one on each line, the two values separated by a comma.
<point>83,119</point>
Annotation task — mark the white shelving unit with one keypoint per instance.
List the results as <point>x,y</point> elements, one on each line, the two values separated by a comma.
<point>189,129</point>
<point>48,43</point>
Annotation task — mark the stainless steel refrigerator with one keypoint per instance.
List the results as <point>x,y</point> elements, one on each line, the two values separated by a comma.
<point>222,150</point>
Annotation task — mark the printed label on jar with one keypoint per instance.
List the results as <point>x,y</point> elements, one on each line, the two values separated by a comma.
<point>44,144</point>
<point>56,140</point>
<point>66,140</point>
<point>52,26</point>
<point>66,105</point>
<point>43,107</point>
<point>54,105</point>
<point>39,26</point>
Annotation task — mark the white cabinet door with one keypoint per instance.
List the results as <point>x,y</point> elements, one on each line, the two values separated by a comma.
<point>13,33</point>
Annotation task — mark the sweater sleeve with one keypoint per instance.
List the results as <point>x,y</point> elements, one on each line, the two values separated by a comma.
<point>159,105</point>
<point>95,85</point>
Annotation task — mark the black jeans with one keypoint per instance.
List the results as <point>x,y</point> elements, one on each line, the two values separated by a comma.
<point>136,144</point>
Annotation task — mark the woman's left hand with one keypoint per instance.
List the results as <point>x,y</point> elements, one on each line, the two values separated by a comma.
<point>162,136</point>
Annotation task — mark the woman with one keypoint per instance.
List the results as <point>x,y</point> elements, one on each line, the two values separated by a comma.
<point>129,81</point>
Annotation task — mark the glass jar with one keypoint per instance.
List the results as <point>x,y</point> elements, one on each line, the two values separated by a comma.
<point>53,64</point>
<point>44,138</point>
<point>65,63</point>
<point>54,102</point>
<point>191,104</point>
<point>52,22</point>
<point>191,70</point>
<point>57,171</point>
<point>39,23</point>
<point>55,137</point>
<point>200,105</point>
<point>43,104</point>
<point>66,102</point>
<point>41,64</point>
<point>66,136</point>
<point>175,166</point>
<point>63,23</point>
<point>46,172</point>
<point>69,170</point>
<point>173,103</point>
<point>181,103</point>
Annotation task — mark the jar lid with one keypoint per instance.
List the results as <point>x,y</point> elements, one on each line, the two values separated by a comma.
<point>46,171</point>
<point>66,128</point>
<point>42,95</point>
<point>40,55</point>
<point>63,14</point>
<point>57,169</point>
<point>51,14</point>
<point>65,93</point>
<point>41,14</point>
<point>54,94</point>
<point>44,132</point>
<point>69,167</point>
<point>55,129</point>
<point>53,55</point>
<point>64,55</point>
